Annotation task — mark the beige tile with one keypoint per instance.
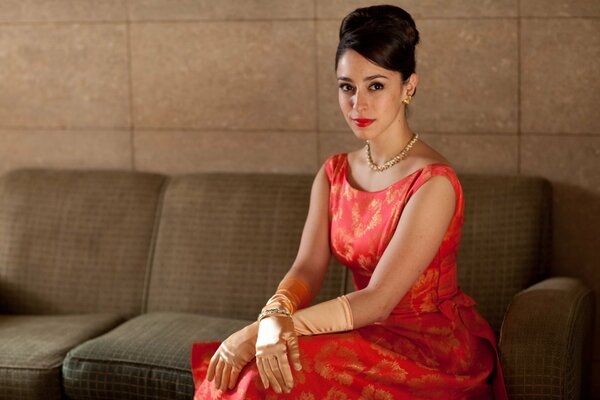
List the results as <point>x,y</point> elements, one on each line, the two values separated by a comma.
<point>468,153</point>
<point>468,77</point>
<point>572,160</point>
<point>560,8</point>
<point>477,153</point>
<point>79,149</point>
<point>330,116</point>
<point>64,75</point>
<point>331,143</point>
<point>161,10</point>
<point>62,10</point>
<point>571,164</point>
<point>224,75</point>
<point>176,152</point>
<point>426,8</point>
<point>559,75</point>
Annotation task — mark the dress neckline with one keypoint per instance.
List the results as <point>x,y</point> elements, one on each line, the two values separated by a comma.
<point>385,189</point>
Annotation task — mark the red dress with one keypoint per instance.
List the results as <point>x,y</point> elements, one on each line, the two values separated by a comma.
<point>434,345</point>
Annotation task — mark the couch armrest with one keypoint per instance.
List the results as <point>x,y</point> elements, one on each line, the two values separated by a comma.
<point>546,339</point>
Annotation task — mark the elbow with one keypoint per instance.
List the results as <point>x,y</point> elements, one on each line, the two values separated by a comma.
<point>382,315</point>
<point>381,312</point>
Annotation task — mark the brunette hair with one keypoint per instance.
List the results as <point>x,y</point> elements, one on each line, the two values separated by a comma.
<point>386,35</point>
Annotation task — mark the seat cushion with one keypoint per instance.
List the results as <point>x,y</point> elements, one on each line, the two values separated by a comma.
<point>32,350</point>
<point>148,357</point>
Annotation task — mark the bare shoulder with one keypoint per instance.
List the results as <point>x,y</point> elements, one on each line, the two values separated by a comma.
<point>423,154</point>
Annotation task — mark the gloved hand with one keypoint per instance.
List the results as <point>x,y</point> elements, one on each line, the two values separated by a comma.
<point>232,355</point>
<point>276,345</point>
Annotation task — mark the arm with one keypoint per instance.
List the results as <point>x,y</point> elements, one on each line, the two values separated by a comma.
<point>415,242</point>
<point>547,333</point>
<point>277,339</point>
<point>307,271</point>
<point>313,255</point>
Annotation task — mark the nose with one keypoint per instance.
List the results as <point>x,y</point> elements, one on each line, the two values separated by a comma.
<point>359,101</point>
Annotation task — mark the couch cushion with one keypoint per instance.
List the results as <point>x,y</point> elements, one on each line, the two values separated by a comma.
<point>226,240</point>
<point>148,357</point>
<point>32,349</point>
<point>75,241</point>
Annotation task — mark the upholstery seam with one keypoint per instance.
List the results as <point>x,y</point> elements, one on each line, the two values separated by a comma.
<point>153,240</point>
<point>58,366</point>
<point>123,362</point>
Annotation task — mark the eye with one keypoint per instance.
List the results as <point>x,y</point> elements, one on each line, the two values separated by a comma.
<point>346,87</point>
<point>376,86</point>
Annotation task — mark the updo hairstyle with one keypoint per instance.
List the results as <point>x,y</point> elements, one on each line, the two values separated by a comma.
<point>386,35</point>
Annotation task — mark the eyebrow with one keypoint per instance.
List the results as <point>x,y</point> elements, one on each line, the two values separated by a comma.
<point>368,78</point>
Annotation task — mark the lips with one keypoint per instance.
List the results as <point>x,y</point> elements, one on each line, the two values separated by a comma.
<point>362,122</point>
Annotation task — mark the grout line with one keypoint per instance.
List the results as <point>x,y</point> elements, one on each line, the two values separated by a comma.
<point>169,21</point>
<point>130,88</point>
<point>149,21</point>
<point>317,105</point>
<point>564,135</point>
<point>519,133</point>
<point>64,129</point>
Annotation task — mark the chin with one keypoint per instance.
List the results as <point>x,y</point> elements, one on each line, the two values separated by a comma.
<point>361,134</point>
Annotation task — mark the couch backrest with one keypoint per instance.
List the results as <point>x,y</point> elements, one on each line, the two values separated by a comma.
<point>218,244</point>
<point>75,241</point>
<point>225,241</point>
<point>505,245</point>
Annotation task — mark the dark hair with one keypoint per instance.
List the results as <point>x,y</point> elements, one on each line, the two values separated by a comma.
<point>386,35</point>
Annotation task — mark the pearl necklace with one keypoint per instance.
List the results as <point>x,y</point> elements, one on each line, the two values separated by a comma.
<point>401,156</point>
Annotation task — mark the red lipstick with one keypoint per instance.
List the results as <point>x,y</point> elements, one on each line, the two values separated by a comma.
<point>362,122</point>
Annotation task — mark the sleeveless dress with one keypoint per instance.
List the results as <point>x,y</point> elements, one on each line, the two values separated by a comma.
<point>434,344</point>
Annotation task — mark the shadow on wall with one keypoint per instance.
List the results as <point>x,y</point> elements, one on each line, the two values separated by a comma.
<point>576,235</point>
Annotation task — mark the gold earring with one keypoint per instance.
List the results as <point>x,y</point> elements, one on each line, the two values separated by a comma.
<point>407,100</point>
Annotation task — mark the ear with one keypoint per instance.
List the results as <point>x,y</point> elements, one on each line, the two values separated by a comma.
<point>411,83</point>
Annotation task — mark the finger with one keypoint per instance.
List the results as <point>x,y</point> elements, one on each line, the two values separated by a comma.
<point>211,366</point>
<point>261,372</point>
<point>235,373</point>
<point>294,353</point>
<point>286,372</point>
<point>225,377</point>
<point>219,372</point>
<point>273,373</point>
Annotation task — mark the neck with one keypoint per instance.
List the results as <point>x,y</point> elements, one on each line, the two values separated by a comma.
<point>388,145</point>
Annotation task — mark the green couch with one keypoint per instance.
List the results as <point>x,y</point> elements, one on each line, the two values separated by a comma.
<point>107,277</point>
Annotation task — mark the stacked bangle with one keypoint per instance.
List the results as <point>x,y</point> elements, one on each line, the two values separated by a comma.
<point>272,311</point>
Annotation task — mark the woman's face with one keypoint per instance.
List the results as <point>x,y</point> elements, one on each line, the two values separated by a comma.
<point>370,96</point>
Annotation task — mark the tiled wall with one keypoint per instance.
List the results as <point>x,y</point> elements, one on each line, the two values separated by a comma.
<point>507,86</point>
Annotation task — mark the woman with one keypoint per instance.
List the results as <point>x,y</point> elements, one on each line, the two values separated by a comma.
<point>392,212</point>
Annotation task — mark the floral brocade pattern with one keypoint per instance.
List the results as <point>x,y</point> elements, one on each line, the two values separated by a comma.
<point>434,345</point>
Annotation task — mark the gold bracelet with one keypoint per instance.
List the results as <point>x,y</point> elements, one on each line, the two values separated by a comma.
<point>272,311</point>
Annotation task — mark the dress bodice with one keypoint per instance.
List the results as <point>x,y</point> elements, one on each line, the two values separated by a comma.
<point>362,224</point>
